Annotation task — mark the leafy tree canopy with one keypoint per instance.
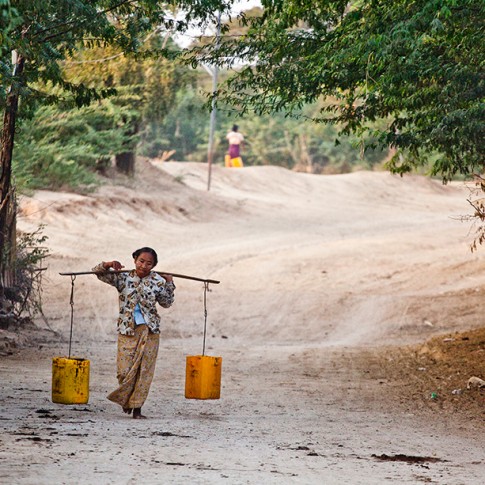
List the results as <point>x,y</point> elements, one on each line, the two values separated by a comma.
<point>37,36</point>
<point>61,147</point>
<point>44,33</point>
<point>416,64</point>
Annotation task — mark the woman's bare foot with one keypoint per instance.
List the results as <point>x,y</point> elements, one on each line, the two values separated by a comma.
<point>127,410</point>
<point>137,414</point>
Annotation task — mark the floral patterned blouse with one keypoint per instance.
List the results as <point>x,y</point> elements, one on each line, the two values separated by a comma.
<point>145,292</point>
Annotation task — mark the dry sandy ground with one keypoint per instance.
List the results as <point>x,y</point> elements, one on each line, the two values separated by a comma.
<point>322,278</point>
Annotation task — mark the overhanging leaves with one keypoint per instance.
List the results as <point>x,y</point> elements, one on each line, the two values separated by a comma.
<point>418,64</point>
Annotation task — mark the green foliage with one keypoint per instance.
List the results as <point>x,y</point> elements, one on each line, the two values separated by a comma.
<point>146,87</point>
<point>31,253</point>
<point>40,35</point>
<point>418,65</point>
<point>185,129</point>
<point>8,20</point>
<point>45,33</point>
<point>61,147</point>
<point>156,107</point>
<point>269,140</point>
<point>298,142</point>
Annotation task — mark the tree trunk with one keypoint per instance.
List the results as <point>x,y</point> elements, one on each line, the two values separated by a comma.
<point>305,154</point>
<point>7,199</point>
<point>125,162</point>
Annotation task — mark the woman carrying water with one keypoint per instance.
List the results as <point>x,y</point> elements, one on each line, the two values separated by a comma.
<point>138,325</point>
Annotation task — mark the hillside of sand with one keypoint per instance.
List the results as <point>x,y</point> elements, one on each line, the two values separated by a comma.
<point>355,256</point>
<point>323,281</point>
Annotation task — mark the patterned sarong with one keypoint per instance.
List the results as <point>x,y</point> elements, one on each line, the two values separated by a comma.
<point>137,356</point>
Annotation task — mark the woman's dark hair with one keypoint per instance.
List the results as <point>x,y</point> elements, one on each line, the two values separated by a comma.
<point>146,250</point>
<point>235,127</point>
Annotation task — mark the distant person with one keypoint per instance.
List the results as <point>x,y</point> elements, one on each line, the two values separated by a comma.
<point>138,325</point>
<point>235,139</point>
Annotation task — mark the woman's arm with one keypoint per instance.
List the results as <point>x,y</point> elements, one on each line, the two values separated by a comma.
<point>105,275</point>
<point>165,293</point>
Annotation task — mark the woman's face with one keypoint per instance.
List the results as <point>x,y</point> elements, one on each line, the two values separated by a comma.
<point>144,264</point>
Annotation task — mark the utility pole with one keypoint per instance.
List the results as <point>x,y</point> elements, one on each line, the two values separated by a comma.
<point>215,74</point>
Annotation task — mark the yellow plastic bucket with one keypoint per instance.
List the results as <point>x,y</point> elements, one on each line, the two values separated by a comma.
<point>233,162</point>
<point>70,380</point>
<point>237,162</point>
<point>203,377</point>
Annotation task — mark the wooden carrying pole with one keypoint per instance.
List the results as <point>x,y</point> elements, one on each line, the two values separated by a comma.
<point>175,275</point>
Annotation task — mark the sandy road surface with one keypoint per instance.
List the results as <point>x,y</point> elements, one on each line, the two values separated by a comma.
<point>317,274</point>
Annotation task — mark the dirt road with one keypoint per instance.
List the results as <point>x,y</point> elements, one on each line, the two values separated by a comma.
<point>319,275</point>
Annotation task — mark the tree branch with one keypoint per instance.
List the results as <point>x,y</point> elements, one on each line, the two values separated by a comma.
<point>76,21</point>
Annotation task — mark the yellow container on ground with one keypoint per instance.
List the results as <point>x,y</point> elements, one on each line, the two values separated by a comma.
<point>70,380</point>
<point>233,162</point>
<point>203,377</point>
